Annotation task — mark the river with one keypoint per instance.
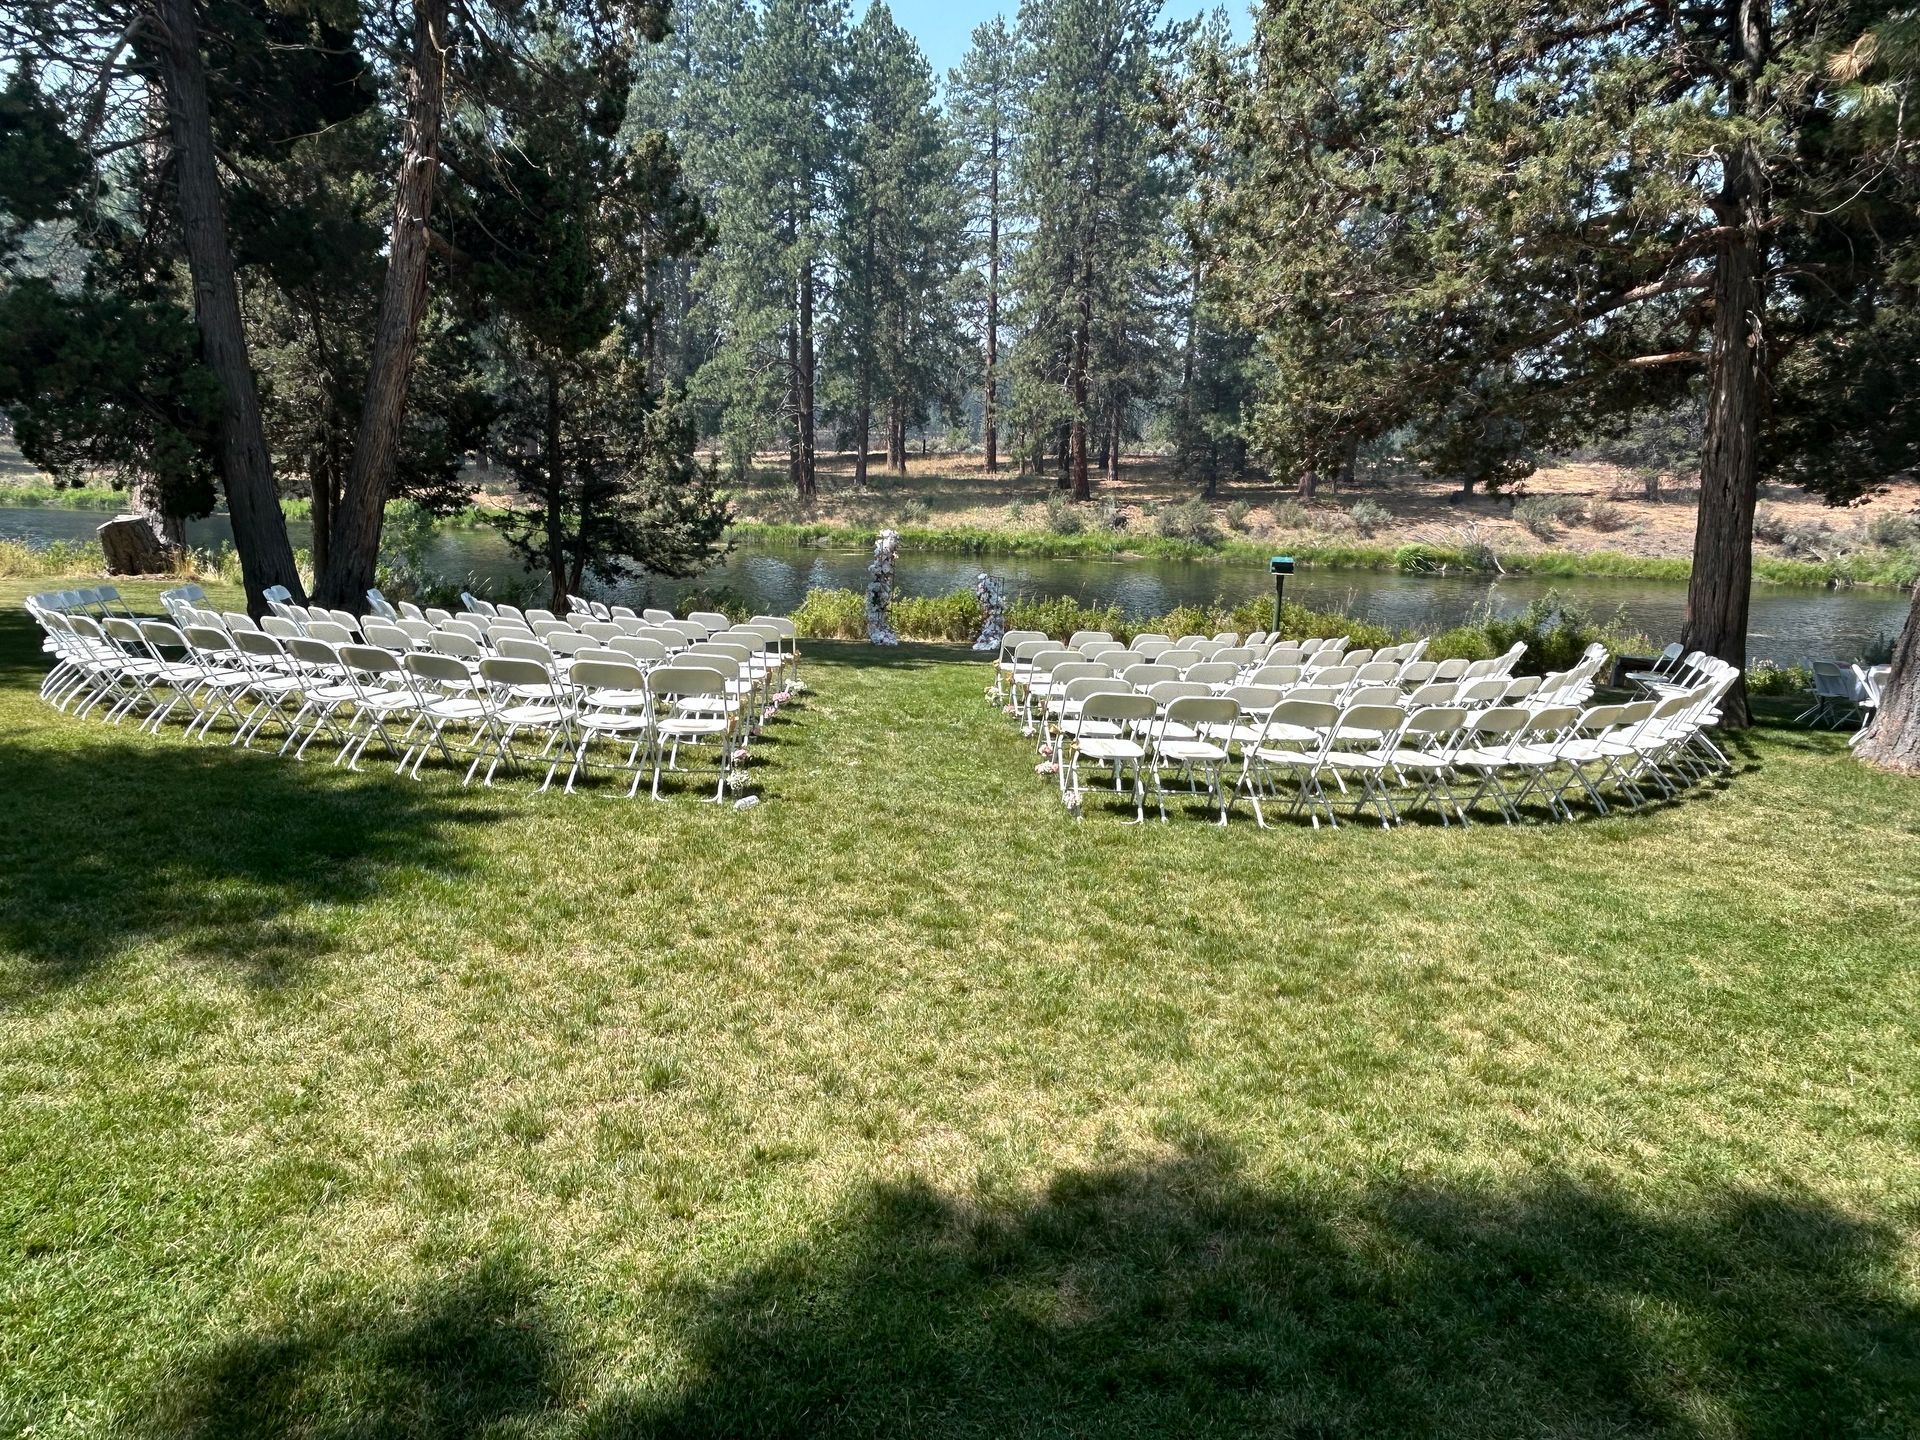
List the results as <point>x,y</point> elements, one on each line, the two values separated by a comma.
<point>1789,625</point>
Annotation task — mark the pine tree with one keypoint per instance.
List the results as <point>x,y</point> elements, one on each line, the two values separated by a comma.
<point>1630,206</point>
<point>1091,268</point>
<point>983,99</point>
<point>897,241</point>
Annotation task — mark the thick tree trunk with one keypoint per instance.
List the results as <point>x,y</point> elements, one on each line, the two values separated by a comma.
<point>170,530</point>
<point>321,484</point>
<point>1349,455</point>
<point>1308,484</point>
<point>355,550</point>
<point>1892,741</point>
<point>134,545</point>
<point>259,529</point>
<point>1113,442</point>
<point>1722,578</point>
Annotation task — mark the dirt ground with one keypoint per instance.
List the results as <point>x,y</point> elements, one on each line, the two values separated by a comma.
<point>1608,508</point>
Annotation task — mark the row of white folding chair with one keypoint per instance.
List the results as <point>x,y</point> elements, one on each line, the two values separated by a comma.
<point>1509,754</point>
<point>1060,697</point>
<point>764,670</point>
<point>354,694</point>
<point>95,600</point>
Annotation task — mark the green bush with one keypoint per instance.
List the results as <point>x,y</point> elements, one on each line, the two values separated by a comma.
<point>1541,515</point>
<point>938,617</point>
<point>1556,629</point>
<point>21,561</point>
<point>1236,515</point>
<point>1766,678</point>
<point>1190,520</point>
<point>1063,516</point>
<point>831,615</point>
<point>1892,531</point>
<point>1369,516</point>
<point>1062,615</point>
<point>1290,515</point>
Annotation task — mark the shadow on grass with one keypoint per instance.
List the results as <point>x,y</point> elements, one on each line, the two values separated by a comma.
<point>1176,1299</point>
<point>110,842</point>
<point>450,1362</point>
<point>909,655</point>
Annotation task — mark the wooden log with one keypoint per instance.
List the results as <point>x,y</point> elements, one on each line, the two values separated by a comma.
<point>134,546</point>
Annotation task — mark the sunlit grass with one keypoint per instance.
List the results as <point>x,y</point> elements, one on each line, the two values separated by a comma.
<point>902,1104</point>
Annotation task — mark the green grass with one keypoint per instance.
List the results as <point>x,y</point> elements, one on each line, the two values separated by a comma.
<point>902,1105</point>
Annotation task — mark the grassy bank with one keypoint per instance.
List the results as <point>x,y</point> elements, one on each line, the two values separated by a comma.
<point>903,1105</point>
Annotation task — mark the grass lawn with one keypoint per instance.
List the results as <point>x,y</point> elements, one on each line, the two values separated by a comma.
<point>337,1105</point>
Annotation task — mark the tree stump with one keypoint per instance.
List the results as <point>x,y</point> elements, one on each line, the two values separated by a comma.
<point>134,546</point>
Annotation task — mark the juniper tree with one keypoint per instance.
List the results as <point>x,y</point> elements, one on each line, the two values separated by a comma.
<point>556,236</point>
<point>1585,211</point>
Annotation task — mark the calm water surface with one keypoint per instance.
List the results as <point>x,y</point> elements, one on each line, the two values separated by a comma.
<point>1789,626</point>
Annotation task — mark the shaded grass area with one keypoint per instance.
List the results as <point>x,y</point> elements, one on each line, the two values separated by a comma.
<point>902,1105</point>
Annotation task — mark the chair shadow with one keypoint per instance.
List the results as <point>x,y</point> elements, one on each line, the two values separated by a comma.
<point>1178,1299</point>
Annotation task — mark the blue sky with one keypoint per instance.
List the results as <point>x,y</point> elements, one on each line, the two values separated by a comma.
<point>943,26</point>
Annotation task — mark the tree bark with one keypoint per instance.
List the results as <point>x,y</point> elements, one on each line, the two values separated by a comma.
<point>1722,579</point>
<point>1082,344</point>
<point>1307,485</point>
<point>355,549</point>
<point>253,501</point>
<point>134,545</point>
<point>806,482</point>
<point>1892,741</point>
<point>556,497</point>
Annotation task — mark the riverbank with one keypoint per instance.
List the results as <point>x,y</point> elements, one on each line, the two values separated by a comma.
<point>1567,523</point>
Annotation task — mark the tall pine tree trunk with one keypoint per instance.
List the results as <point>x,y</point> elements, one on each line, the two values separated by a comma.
<point>1892,741</point>
<point>259,529</point>
<point>396,330</point>
<point>1082,343</point>
<point>807,485</point>
<point>990,416</point>
<point>862,428</point>
<point>556,497</point>
<point>793,408</point>
<point>1722,579</point>
<point>1113,441</point>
